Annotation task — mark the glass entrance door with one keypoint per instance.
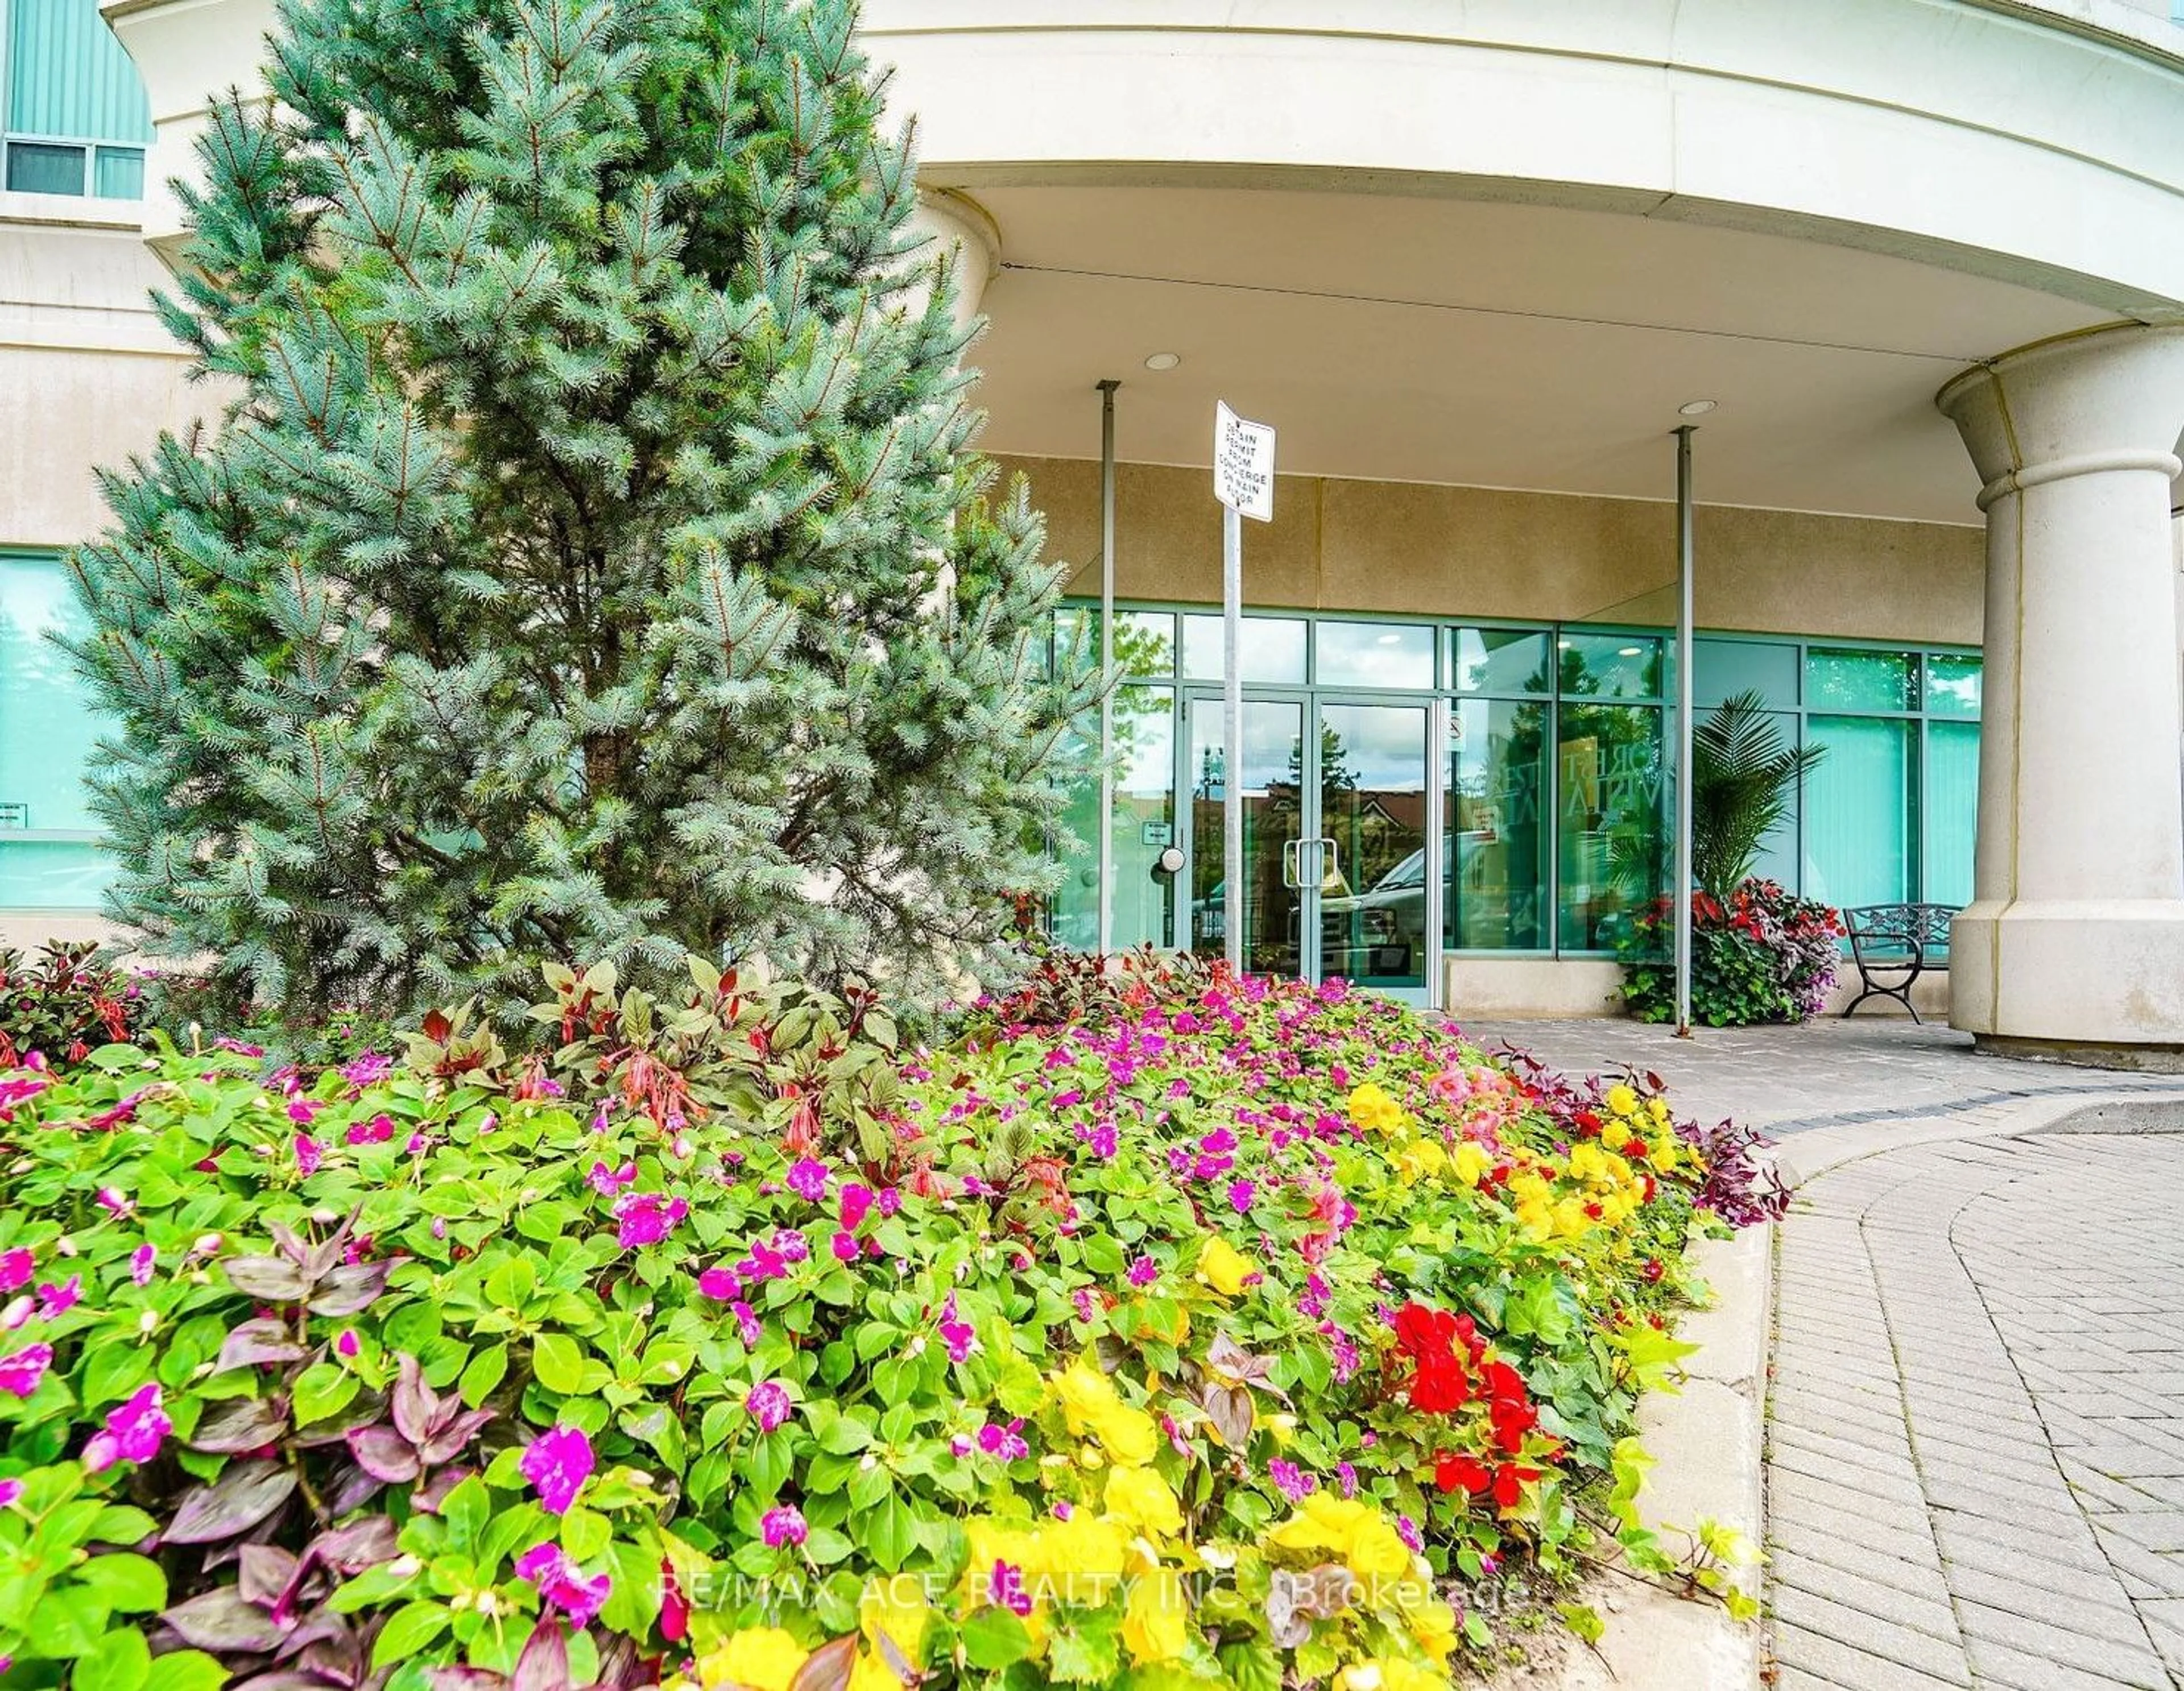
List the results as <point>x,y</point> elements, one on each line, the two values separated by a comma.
<point>1335,837</point>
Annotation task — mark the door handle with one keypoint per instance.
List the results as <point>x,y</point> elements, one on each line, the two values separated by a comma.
<point>1293,862</point>
<point>1331,865</point>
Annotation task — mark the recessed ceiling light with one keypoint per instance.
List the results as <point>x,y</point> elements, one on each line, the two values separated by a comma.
<point>1163,360</point>
<point>1696,408</point>
<point>1626,651</point>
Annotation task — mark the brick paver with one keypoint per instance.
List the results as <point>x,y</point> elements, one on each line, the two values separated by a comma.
<point>1976,1440</point>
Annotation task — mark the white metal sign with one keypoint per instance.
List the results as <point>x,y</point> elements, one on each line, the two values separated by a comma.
<point>1243,465</point>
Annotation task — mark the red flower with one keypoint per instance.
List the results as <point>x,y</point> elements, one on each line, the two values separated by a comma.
<point>1428,1338</point>
<point>1509,1483</point>
<point>1469,1472</point>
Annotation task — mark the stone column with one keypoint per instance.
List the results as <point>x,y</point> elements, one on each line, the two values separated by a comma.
<point>2074,943</point>
<point>956,223</point>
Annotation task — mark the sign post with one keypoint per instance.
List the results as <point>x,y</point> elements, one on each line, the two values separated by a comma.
<point>1243,482</point>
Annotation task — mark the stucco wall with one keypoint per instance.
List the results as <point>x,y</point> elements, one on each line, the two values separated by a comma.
<point>1339,545</point>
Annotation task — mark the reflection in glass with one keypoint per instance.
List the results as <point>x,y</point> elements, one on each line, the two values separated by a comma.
<point>1611,665</point>
<point>1722,669</point>
<point>1273,818</point>
<point>1373,654</point>
<point>1142,824</point>
<point>1949,812</point>
<point>1953,686</point>
<point>1372,806</point>
<point>1145,640</point>
<point>1858,810</point>
<point>1859,680</point>
<point>1495,849</point>
<point>1271,648</point>
<point>1501,661</point>
<point>48,731</point>
<point>1611,838</point>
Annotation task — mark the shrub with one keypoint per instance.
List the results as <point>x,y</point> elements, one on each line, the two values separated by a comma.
<point>1197,1342</point>
<point>1767,955</point>
<point>58,1007</point>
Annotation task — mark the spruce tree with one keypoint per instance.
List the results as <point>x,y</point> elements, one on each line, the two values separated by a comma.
<point>593,562</point>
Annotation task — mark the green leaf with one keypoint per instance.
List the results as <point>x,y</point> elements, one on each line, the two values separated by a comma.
<point>185,1670</point>
<point>66,1623</point>
<point>411,1628</point>
<point>122,1661</point>
<point>558,1361</point>
<point>466,1510</point>
<point>994,1638</point>
<point>133,1584</point>
<point>122,1523</point>
<point>323,1389</point>
<point>889,1529</point>
<point>482,1373</point>
<point>585,1534</point>
<point>112,1371</point>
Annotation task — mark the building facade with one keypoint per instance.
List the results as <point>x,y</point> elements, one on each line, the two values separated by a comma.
<point>1915,269</point>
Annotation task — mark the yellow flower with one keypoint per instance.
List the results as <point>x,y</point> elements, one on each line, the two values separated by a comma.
<point>1421,1159</point>
<point>1389,1673</point>
<point>1224,1267</point>
<point>873,1672</point>
<point>1372,1110</point>
<point>1140,1498</point>
<point>1665,1151</point>
<point>894,1605</point>
<point>1433,1624</point>
<point>1156,1625</point>
<point>1658,1110</point>
<point>1083,1557</point>
<point>1537,1221</point>
<point>1091,1404</point>
<point>1472,1162</point>
<point>1622,1100</point>
<point>1570,1220</point>
<point>1355,1531</point>
<point>765,1658</point>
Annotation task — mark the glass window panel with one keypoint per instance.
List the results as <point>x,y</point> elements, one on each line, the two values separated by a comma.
<point>1145,640</point>
<point>1373,654</point>
<point>1372,806</point>
<point>1860,681</point>
<point>121,173</point>
<point>46,728</point>
<point>52,875</point>
<point>1723,668</point>
<point>1495,866</point>
<point>1611,665</point>
<point>1952,684</point>
<point>1612,845</point>
<point>1858,811</point>
<point>1272,649</point>
<point>36,167</point>
<point>1500,660</point>
<point>1948,811</point>
<point>1141,826</point>
<point>1274,821</point>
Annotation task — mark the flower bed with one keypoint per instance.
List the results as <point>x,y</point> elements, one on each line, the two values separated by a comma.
<point>1162,1329</point>
<point>1765,955</point>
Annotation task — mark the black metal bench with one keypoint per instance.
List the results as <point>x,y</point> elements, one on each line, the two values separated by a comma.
<point>1893,945</point>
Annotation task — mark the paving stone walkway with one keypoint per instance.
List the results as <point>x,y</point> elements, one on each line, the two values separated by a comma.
<point>1975,1436</point>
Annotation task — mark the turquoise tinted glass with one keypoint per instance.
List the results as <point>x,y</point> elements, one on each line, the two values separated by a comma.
<point>120,174</point>
<point>1494,896</point>
<point>1140,827</point>
<point>1724,669</point>
<point>1611,844</point>
<point>52,875</point>
<point>1858,811</point>
<point>68,77</point>
<point>1860,681</point>
<point>1373,654</point>
<point>36,168</point>
<point>1500,660</point>
<point>46,728</point>
<point>1610,667</point>
<point>1271,648</point>
<point>1949,810</point>
<point>1953,686</point>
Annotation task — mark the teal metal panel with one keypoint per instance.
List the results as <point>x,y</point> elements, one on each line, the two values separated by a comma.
<point>69,78</point>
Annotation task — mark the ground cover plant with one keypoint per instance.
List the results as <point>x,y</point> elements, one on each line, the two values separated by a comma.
<point>64,1001</point>
<point>1762,954</point>
<point>1162,1329</point>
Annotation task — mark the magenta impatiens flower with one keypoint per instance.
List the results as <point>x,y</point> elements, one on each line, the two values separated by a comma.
<point>746,1324</point>
<point>646,1218</point>
<point>557,1463</point>
<point>769,1405</point>
<point>16,1268</point>
<point>807,1179</point>
<point>561,1585</point>
<point>132,1433</point>
<point>607,1182</point>
<point>140,1262</point>
<point>1144,1271</point>
<point>56,1298</point>
<point>720,1284</point>
<point>844,1246</point>
<point>9,1491</point>
<point>1240,1194</point>
<point>857,1201</point>
<point>956,1335</point>
<point>377,1132</point>
<point>1005,1588</point>
<point>1295,1483</point>
<point>21,1370</point>
<point>1004,1440</point>
<point>308,1155</point>
<point>782,1525</point>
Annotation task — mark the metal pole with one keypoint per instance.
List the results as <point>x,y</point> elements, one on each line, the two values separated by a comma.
<point>1683,730</point>
<point>1232,734</point>
<point>1106,925</point>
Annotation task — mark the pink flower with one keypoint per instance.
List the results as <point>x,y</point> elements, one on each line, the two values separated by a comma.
<point>1104,1140</point>
<point>111,1200</point>
<point>845,1247</point>
<point>1004,1440</point>
<point>1005,1588</point>
<point>20,1371</point>
<point>557,1464</point>
<point>746,1324</point>
<point>782,1525</point>
<point>768,1404</point>
<point>1240,1194</point>
<point>1086,1308</point>
<point>140,1262</point>
<point>1144,1271</point>
<point>365,1069</point>
<point>607,1182</point>
<point>345,1345</point>
<point>377,1132</point>
<point>561,1585</point>
<point>303,1109</point>
<point>807,1179</point>
<point>956,1335</point>
<point>646,1220</point>
<point>16,1268</point>
<point>856,1204</point>
<point>9,1491</point>
<point>1407,1530</point>
<point>1295,1483</point>
<point>132,1433</point>
<point>56,1300</point>
<point>308,1154</point>
<point>719,1283</point>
